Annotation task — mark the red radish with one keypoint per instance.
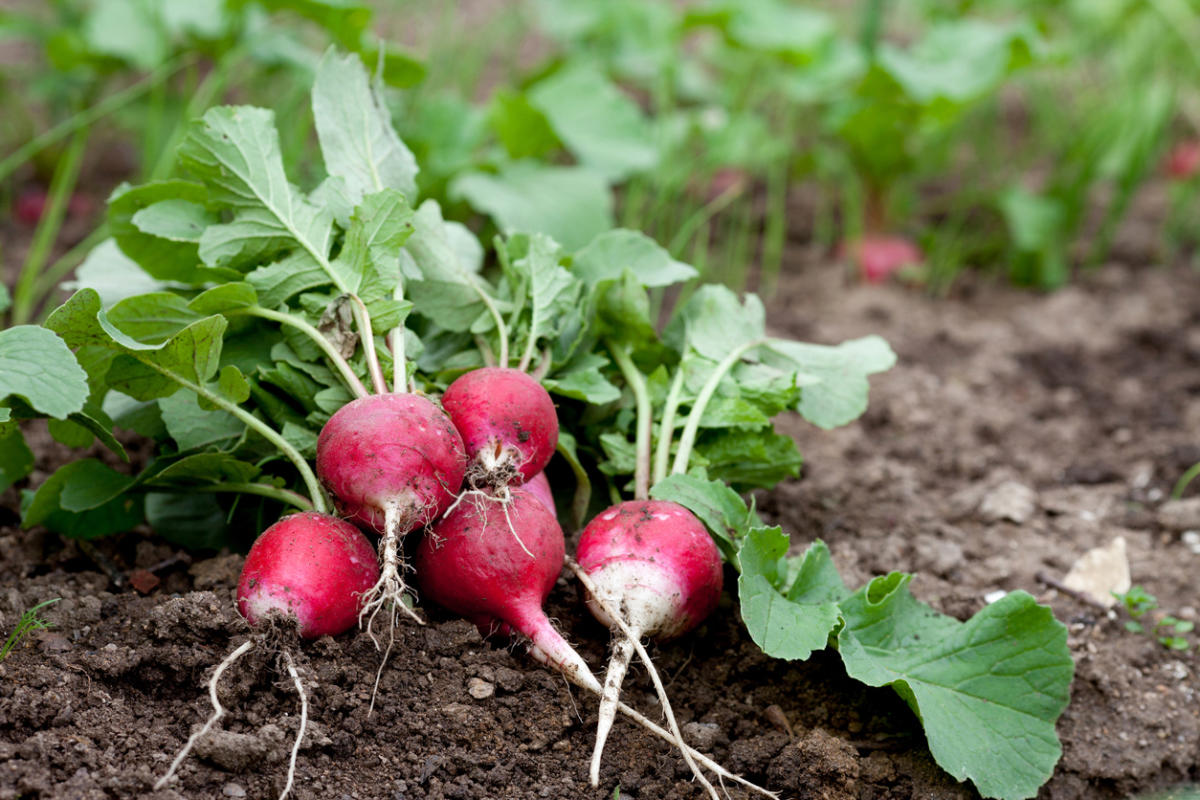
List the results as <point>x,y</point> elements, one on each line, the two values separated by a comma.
<point>878,257</point>
<point>539,487</point>
<point>1184,160</point>
<point>508,424</point>
<point>472,565</point>
<point>654,563</point>
<point>30,205</point>
<point>393,462</point>
<point>309,567</point>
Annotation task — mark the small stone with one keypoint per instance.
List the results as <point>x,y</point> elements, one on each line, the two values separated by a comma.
<point>700,735</point>
<point>480,689</point>
<point>1010,501</point>
<point>233,790</point>
<point>994,596</point>
<point>1180,515</point>
<point>53,642</point>
<point>144,581</point>
<point>1100,572</point>
<point>1191,540</point>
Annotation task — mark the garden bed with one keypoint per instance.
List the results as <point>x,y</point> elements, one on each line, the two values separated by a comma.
<point>1089,397</point>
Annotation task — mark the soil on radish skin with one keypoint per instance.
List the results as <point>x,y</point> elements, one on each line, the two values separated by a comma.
<point>1088,397</point>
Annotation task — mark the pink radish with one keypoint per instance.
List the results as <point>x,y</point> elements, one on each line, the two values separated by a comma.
<point>309,571</point>
<point>539,487</point>
<point>654,564</point>
<point>508,424</point>
<point>472,565</point>
<point>310,568</point>
<point>393,462</point>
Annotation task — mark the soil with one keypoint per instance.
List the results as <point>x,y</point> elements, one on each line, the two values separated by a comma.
<point>1089,398</point>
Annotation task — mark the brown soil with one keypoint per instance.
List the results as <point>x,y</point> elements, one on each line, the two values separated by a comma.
<point>1089,397</point>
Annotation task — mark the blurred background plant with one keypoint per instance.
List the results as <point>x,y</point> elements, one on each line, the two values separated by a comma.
<point>922,138</point>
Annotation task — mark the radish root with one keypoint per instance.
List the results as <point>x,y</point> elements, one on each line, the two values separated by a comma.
<point>612,688</point>
<point>389,591</point>
<point>291,775</point>
<point>218,711</point>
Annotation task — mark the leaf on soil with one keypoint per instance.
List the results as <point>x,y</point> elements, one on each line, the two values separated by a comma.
<point>38,367</point>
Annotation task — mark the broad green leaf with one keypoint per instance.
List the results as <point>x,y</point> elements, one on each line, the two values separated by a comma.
<point>84,485</point>
<point>784,627</point>
<point>612,252</point>
<point>191,520</point>
<point>279,282</point>
<point>224,298</point>
<point>68,433</point>
<point>522,129</point>
<point>130,30</point>
<point>38,367</point>
<point>379,228</point>
<point>174,220</point>
<point>204,468</point>
<point>833,380</point>
<point>570,204</point>
<point>440,264</point>
<point>552,290</point>
<point>16,460</point>
<point>193,427</point>
<point>776,27</point>
<point>235,149</point>
<point>232,385</point>
<point>153,317</point>
<point>98,424</point>
<point>161,258</point>
<point>603,129</point>
<point>345,20</point>
<point>301,438</point>
<point>113,275</point>
<point>714,323</point>
<point>584,381</point>
<point>747,459</point>
<point>354,127</point>
<point>988,691</point>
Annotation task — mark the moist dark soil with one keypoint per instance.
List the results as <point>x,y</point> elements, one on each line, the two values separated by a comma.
<point>1089,398</point>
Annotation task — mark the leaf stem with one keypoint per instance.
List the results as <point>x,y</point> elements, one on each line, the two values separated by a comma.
<point>316,493</point>
<point>399,363</point>
<point>637,383</point>
<point>692,427</point>
<point>66,175</point>
<point>343,367</point>
<point>666,427</point>
<point>286,496</point>
<point>363,319</point>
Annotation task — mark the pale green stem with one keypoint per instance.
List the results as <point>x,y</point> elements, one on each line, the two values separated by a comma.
<point>343,367</point>
<point>666,428</point>
<point>637,383</point>
<point>363,319</point>
<point>315,491</point>
<point>692,427</point>
<point>286,496</point>
<point>399,363</point>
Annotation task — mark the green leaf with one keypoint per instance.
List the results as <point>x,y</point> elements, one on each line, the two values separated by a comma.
<point>81,486</point>
<point>168,259</point>
<point>113,275</point>
<point>584,381</point>
<point>748,459</point>
<point>440,263</point>
<point>153,317</point>
<point>714,323</point>
<point>130,30</point>
<point>235,149</point>
<point>789,627</point>
<point>833,380</point>
<point>570,204</point>
<point>714,503</point>
<point>355,130</point>
<point>552,291</point>
<point>204,468</point>
<point>521,128</point>
<point>381,225</point>
<point>38,367</point>
<point>193,427</point>
<point>601,127</point>
<point>279,282</point>
<point>5,299</point>
<point>224,298</point>
<point>16,459</point>
<point>194,521</point>
<point>232,385</point>
<point>612,252</point>
<point>69,434</point>
<point>988,691</point>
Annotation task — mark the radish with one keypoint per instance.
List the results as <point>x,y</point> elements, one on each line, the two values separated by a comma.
<point>508,424</point>
<point>539,487</point>
<point>307,572</point>
<point>656,565</point>
<point>471,565</point>
<point>393,462</point>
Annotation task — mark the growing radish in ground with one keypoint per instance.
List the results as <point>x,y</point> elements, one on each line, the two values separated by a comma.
<point>508,424</point>
<point>307,573</point>
<point>878,257</point>
<point>655,564</point>
<point>471,564</point>
<point>393,462</point>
